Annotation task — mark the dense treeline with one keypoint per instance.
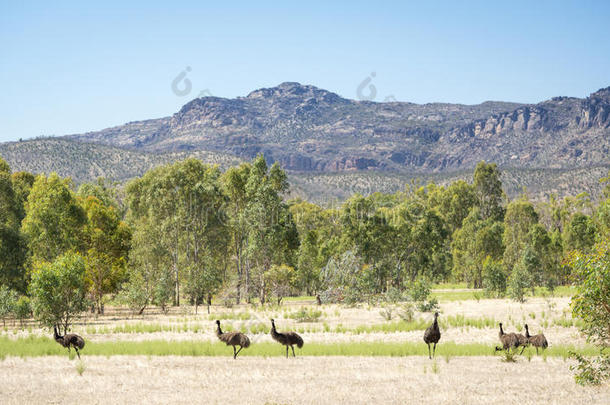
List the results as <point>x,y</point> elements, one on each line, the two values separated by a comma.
<point>189,231</point>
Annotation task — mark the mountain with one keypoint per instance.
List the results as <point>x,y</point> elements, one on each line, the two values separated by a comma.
<point>309,129</point>
<point>316,134</point>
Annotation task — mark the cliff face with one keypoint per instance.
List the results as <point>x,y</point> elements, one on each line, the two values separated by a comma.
<point>309,129</point>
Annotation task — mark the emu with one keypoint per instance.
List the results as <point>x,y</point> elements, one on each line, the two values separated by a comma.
<point>508,340</point>
<point>432,335</point>
<point>232,339</point>
<point>286,338</point>
<point>521,341</point>
<point>537,340</point>
<point>69,340</point>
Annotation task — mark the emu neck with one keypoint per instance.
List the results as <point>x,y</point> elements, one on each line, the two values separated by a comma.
<point>501,331</point>
<point>218,330</point>
<point>527,333</point>
<point>273,330</point>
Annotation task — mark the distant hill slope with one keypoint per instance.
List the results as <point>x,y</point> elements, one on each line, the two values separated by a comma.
<point>87,161</point>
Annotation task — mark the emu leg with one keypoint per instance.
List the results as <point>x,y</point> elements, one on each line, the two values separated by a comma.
<point>240,347</point>
<point>434,351</point>
<point>286,351</point>
<point>536,350</point>
<point>77,353</point>
<point>522,349</point>
<point>429,356</point>
<point>293,355</point>
<point>234,354</point>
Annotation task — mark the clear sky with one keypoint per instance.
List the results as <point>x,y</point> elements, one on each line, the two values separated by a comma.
<point>70,68</point>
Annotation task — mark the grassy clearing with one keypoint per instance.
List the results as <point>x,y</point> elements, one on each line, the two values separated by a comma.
<point>40,346</point>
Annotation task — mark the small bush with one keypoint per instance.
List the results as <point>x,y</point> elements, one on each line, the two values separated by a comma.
<point>80,367</point>
<point>428,306</point>
<point>407,312</point>
<point>306,315</point>
<point>23,309</point>
<point>591,372</point>
<point>508,356</point>
<point>386,313</point>
<point>519,282</point>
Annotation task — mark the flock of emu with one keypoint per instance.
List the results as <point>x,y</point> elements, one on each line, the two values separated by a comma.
<point>289,339</point>
<point>509,340</point>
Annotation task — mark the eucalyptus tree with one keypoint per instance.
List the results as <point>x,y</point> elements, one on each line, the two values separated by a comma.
<point>54,219</point>
<point>182,204</point>
<point>272,235</point>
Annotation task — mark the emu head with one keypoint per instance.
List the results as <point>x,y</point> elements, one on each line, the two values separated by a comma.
<point>217,322</point>
<point>436,315</point>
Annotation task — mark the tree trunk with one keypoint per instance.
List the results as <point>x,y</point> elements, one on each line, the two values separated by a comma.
<point>247,290</point>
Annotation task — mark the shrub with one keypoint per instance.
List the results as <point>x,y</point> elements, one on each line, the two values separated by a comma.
<point>8,299</point>
<point>519,282</point>
<point>494,277</point>
<point>407,312</point>
<point>386,313</point>
<point>306,315</point>
<point>591,372</point>
<point>23,309</point>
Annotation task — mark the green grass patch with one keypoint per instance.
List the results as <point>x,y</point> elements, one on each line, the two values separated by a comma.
<point>41,346</point>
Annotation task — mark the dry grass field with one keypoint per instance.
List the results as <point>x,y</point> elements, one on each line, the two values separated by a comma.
<point>315,378</point>
<point>304,380</point>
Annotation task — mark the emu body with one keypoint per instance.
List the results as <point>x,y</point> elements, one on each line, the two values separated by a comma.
<point>508,340</point>
<point>69,340</point>
<point>432,335</point>
<point>232,339</point>
<point>538,341</point>
<point>288,339</point>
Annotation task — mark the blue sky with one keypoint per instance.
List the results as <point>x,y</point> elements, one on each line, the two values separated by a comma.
<point>69,67</point>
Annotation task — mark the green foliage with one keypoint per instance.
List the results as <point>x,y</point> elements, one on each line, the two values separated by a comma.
<point>8,299</point>
<point>54,220</point>
<point>591,371</point>
<point>476,240</point>
<point>494,277</point>
<point>520,280</point>
<point>419,292</point>
<point>58,290</point>
<point>519,219</point>
<point>23,308</point>
<point>580,233</point>
<point>488,188</point>
<point>280,281</point>
<point>108,241</point>
<point>592,300</point>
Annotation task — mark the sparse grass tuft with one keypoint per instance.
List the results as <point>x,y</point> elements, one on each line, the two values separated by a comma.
<point>80,367</point>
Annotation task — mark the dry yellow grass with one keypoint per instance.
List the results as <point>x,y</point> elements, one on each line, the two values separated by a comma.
<point>177,380</point>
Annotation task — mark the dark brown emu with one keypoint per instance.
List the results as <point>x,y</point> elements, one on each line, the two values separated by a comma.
<point>508,340</point>
<point>69,340</point>
<point>286,339</point>
<point>432,335</point>
<point>538,341</point>
<point>232,339</point>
